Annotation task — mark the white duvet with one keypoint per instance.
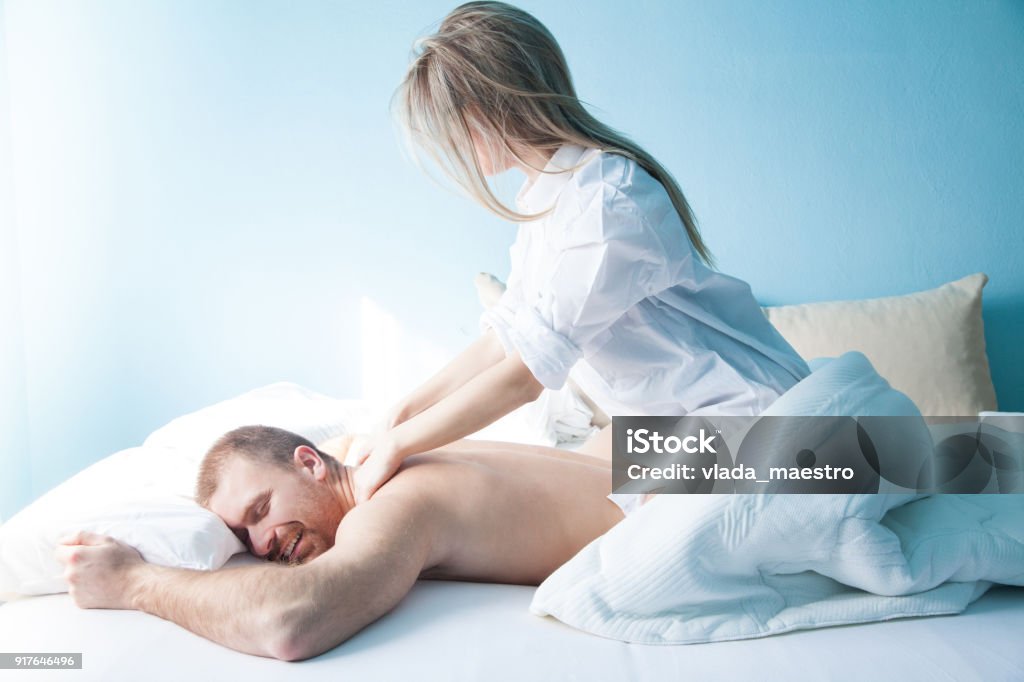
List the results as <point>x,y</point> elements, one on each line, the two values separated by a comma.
<point>702,568</point>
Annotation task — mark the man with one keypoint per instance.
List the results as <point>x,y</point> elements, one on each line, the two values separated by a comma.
<point>475,510</point>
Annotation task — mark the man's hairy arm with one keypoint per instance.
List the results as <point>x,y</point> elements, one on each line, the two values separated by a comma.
<point>290,613</point>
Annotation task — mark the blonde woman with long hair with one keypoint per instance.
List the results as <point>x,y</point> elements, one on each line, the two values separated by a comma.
<point>610,277</point>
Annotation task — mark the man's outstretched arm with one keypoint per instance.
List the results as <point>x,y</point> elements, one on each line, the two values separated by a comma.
<point>290,613</point>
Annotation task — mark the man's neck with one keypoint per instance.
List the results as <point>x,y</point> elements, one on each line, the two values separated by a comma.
<point>341,484</point>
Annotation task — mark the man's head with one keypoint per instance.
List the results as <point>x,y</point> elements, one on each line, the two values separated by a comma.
<point>280,495</point>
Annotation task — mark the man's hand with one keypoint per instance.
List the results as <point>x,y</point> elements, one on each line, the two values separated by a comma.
<point>376,459</point>
<point>100,571</point>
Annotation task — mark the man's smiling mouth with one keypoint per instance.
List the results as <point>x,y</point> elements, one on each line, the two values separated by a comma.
<point>286,555</point>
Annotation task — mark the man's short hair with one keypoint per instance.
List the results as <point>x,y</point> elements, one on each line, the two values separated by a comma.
<point>261,444</point>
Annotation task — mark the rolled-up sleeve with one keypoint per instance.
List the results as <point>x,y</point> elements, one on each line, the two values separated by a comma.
<point>523,330</point>
<point>607,261</point>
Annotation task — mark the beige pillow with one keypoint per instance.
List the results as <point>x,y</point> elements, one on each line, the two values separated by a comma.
<point>929,345</point>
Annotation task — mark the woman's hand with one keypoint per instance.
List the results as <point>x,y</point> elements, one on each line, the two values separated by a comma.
<point>376,459</point>
<point>398,414</point>
<point>337,447</point>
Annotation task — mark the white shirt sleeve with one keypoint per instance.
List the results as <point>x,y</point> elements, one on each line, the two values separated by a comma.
<point>607,260</point>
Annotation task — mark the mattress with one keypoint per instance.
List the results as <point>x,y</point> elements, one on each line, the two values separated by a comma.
<point>477,631</point>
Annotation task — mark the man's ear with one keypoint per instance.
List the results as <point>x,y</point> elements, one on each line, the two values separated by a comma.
<point>309,462</point>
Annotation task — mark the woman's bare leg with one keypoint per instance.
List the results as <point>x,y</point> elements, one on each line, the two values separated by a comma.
<point>599,445</point>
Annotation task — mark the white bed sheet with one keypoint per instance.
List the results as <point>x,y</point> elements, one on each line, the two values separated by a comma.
<point>475,631</point>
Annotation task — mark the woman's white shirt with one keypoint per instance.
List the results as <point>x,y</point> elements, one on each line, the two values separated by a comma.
<point>607,287</point>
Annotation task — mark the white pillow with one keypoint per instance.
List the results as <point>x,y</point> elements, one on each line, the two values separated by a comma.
<point>285,405</point>
<point>143,496</point>
<point>136,496</point>
<point>929,345</point>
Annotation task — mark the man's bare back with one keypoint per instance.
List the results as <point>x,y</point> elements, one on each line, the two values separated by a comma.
<point>502,512</point>
<point>475,510</point>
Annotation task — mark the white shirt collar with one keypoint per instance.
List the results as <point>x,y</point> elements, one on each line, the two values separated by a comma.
<point>538,195</point>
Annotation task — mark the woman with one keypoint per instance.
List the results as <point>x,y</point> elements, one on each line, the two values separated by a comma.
<point>610,278</point>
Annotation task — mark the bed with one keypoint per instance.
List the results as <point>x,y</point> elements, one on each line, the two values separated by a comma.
<point>466,631</point>
<point>472,631</point>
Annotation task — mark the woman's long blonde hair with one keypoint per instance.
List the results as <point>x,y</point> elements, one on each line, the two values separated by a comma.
<point>493,70</point>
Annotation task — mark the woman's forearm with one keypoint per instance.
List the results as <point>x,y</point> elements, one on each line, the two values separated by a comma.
<point>480,355</point>
<point>477,403</point>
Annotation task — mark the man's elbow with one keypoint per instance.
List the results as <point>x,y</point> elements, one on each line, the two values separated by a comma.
<point>285,651</point>
<point>293,650</point>
<point>298,646</point>
<point>294,640</point>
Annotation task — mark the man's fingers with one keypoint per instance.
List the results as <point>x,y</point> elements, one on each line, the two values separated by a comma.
<point>70,538</point>
<point>70,555</point>
<point>89,538</point>
<point>63,553</point>
<point>83,537</point>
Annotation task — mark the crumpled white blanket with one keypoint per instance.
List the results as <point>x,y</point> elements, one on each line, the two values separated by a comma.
<point>702,568</point>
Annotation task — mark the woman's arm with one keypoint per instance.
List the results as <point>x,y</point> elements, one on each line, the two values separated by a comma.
<point>483,353</point>
<point>480,401</point>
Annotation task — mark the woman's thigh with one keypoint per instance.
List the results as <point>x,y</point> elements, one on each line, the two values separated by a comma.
<point>599,445</point>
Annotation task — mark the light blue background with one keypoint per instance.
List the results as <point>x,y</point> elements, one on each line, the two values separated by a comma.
<point>194,195</point>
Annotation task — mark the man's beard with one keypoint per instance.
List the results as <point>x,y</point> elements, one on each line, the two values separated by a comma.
<point>315,524</point>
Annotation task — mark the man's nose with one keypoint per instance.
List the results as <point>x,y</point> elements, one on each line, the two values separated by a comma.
<point>261,540</point>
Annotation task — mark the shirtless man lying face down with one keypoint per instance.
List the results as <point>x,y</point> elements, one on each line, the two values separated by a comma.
<point>476,510</point>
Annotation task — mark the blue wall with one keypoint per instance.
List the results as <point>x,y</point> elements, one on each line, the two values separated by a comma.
<point>195,195</point>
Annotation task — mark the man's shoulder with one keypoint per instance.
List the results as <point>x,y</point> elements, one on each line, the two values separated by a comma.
<point>412,495</point>
<point>402,516</point>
